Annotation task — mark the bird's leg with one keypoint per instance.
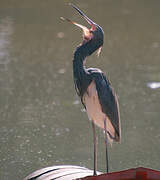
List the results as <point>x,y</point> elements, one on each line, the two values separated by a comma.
<point>95,148</point>
<point>106,143</point>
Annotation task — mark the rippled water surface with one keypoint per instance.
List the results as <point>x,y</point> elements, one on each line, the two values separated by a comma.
<point>42,121</point>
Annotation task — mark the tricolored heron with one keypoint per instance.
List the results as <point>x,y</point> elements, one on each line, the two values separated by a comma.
<point>94,89</point>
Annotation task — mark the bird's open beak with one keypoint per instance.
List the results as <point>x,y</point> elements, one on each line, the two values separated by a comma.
<point>87,35</point>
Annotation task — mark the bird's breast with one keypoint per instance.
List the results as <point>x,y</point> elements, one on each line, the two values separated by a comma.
<point>94,110</point>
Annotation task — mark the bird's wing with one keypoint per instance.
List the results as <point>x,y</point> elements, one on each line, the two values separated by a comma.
<point>108,100</point>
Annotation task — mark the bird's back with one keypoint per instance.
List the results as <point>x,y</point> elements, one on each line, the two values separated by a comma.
<point>102,104</point>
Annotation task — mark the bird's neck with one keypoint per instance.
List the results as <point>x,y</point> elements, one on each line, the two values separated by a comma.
<point>80,74</point>
<point>78,62</point>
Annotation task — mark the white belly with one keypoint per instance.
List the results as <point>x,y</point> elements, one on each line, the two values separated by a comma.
<point>94,110</point>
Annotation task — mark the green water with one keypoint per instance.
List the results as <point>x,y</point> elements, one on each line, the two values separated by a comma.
<point>42,121</point>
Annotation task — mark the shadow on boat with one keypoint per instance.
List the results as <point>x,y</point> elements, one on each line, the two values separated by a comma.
<point>69,172</point>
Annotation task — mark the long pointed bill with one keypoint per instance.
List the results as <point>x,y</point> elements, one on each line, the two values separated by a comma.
<point>86,31</point>
<point>84,16</point>
<point>79,25</point>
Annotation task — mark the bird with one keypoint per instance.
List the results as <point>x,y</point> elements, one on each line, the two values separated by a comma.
<point>94,89</point>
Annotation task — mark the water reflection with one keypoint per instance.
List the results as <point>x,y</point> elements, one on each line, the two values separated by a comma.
<point>6,30</point>
<point>153,85</point>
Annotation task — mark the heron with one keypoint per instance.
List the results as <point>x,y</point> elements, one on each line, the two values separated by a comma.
<point>94,89</point>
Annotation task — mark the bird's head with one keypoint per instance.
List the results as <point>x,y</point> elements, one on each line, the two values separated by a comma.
<point>92,37</point>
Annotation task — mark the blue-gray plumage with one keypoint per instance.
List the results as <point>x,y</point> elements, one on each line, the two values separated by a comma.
<point>108,101</point>
<point>95,91</point>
